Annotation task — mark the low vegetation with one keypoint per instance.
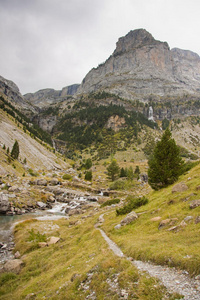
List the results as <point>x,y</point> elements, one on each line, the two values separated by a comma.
<point>131,203</point>
<point>167,230</point>
<point>77,267</point>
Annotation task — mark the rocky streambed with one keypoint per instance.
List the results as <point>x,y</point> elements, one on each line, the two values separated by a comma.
<point>52,201</point>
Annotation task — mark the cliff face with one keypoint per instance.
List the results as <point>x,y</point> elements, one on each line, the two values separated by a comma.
<point>141,66</point>
<point>46,97</point>
<point>10,90</point>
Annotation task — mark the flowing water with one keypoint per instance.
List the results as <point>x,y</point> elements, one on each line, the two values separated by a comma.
<point>7,224</point>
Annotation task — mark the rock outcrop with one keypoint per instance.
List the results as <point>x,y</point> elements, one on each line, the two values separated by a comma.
<point>46,97</point>
<point>11,91</point>
<point>141,66</point>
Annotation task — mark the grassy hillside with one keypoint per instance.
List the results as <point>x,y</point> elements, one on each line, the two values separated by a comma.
<point>167,230</point>
<point>33,152</point>
<point>79,266</point>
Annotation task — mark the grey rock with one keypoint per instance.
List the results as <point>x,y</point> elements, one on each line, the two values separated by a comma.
<point>13,265</point>
<point>132,216</point>
<point>4,203</point>
<point>179,188</point>
<point>41,205</point>
<point>14,189</point>
<point>197,220</point>
<point>118,226</point>
<point>92,198</point>
<point>188,218</point>
<point>194,204</point>
<point>17,255</point>
<point>42,182</point>
<point>54,181</point>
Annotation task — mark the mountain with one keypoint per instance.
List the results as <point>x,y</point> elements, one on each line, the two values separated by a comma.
<point>141,66</point>
<point>11,92</point>
<point>44,98</point>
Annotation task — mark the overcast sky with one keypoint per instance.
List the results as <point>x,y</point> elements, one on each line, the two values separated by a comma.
<point>55,43</point>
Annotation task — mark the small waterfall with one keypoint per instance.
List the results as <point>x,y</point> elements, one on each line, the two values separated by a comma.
<point>54,144</point>
<point>151,118</point>
<point>58,207</point>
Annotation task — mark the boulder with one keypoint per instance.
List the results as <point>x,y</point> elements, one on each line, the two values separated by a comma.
<point>179,188</point>
<point>194,204</point>
<point>42,182</point>
<point>42,244</point>
<point>4,203</point>
<point>53,240</point>
<point>41,205</point>
<point>164,223</point>
<point>118,226</point>
<point>197,220</point>
<point>155,219</point>
<point>51,199</point>
<point>92,198</point>
<point>54,181</point>
<point>14,189</point>
<point>188,218</point>
<point>132,216</point>
<point>17,255</point>
<point>13,265</point>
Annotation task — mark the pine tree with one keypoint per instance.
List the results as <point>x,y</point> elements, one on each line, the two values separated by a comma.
<point>137,172</point>
<point>15,150</point>
<point>165,165</point>
<point>113,170</point>
<point>122,173</point>
<point>130,173</point>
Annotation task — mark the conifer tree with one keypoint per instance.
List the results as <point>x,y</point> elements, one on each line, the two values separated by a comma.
<point>15,150</point>
<point>122,173</point>
<point>165,165</point>
<point>113,170</point>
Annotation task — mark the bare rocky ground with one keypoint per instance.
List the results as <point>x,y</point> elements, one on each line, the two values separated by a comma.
<point>175,281</point>
<point>37,157</point>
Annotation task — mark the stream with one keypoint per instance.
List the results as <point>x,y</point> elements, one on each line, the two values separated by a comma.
<point>7,223</point>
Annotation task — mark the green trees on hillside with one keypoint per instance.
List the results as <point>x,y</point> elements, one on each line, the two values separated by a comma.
<point>15,150</point>
<point>113,170</point>
<point>165,165</point>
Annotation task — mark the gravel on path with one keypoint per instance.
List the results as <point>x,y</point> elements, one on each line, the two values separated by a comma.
<point>175,281</point>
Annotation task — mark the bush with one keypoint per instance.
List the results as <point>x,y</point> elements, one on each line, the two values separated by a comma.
<point>88,175</point>
<point>36,236</point>
<point>67,177</point>
<point>32,173</point>
<point>110,202</point>
<point>188,166</point>
<point>118,185</point>
<point>131,204</point>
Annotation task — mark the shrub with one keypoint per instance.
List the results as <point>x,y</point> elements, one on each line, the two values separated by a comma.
<point>118,185</point>
<point>88,175</point>
<point>15,150</point>
<point>131,204</point>
<point>36,236</point>
<point>67,177</point>
<point>110,202</point>
<point>32,173</point>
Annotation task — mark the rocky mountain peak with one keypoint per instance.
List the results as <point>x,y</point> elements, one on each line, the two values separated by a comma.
<point>134,39</point>
<point>141,66</point>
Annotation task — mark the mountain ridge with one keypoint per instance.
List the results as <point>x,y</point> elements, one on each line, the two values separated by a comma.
<point>141,66</point>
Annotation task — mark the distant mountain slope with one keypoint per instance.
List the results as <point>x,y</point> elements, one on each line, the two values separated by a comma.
<point>141,66</point>
<point>46,97</point>
<point>37,156</point>
<point>11,92</point>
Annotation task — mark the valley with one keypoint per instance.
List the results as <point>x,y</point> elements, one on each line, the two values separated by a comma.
<point>78,184</point>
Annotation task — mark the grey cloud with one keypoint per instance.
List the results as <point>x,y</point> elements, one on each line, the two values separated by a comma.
<point>54,43</point>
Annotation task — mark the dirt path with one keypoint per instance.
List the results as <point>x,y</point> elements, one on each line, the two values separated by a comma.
<point>174,280</point>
